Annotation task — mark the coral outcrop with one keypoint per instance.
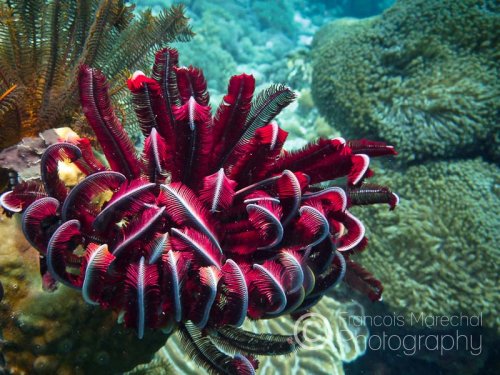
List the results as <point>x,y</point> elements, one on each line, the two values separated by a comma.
<point>438,254</point>
<point>58,333</point>
<point>423,75</point>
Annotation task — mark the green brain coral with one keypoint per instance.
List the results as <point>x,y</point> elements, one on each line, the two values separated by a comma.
<point>423,76</point>
<point>438,253</point>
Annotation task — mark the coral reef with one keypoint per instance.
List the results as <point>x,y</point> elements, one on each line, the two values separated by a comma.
<point>58,333</point>
<point>210,27</point>
<point>276,15</point>
<point>214,223</point>
<point>239,43</point>
<point>43,42</point>
<point>432,90</point>
<point>438,254</point>
<point>354,8</point>
<point>241,39</point>
<point>347,342</point>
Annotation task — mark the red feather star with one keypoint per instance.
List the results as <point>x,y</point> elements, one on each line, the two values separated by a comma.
<point>212,223</point>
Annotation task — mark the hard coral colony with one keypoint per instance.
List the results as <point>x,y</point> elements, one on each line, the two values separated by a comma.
<point>215,222</point>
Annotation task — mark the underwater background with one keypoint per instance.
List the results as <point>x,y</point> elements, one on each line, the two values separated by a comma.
<point>419,75</point>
